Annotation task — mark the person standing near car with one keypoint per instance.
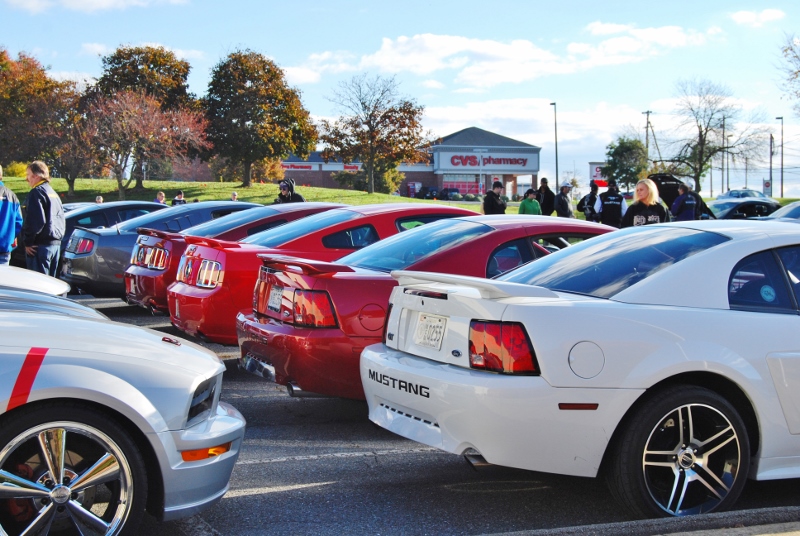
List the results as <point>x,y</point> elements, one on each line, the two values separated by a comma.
<point>10,221</point>
<point>44,223</point>
<point>564,202</point>
<point>684,208</point>
<point>492,202</point>
<point>287,193</point>
<point>530,205</point>
<point>547,199</point>
<point>611,206</point>
<point>160,198</point>
<point>646,209</point>
<point>587,203</point>
<point>178,199</point>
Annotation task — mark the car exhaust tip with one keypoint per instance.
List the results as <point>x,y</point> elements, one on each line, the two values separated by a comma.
<point>475,459</point>
<point>295,392</point>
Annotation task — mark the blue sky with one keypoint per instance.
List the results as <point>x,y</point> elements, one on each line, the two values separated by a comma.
<point>496,65</point>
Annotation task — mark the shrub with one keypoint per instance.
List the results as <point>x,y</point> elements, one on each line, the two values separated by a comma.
<point>15,169</point>
<point>479,198</point>
<point>456,197</point>
<point>469,197</point>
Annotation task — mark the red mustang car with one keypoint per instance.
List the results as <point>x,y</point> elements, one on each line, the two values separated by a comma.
<point>215,278</point>
<point>156,255</point>
<point>311,319</point>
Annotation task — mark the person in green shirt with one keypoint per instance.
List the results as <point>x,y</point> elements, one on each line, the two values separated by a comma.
<point>530,205</point>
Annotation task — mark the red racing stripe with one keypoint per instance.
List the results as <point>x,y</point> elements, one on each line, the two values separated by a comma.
<point>27,374</point>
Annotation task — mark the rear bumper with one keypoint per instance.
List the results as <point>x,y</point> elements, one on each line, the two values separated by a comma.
<point>513,421</point>
<point>147,288</point>
<point>203,313</point>
<point>321,361</point>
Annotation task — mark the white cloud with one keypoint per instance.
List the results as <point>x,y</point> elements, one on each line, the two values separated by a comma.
<point>757,19</point>
<point>86,6</point>
<point>432,84</point>
<point>180,53</point>
<point>95,49</point>
<point>301,75</point>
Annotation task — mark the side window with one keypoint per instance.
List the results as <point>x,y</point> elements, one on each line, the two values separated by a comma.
<point>92,221</point>
<point>508,256</point>
<point>354,238</point>
<point>264,227</point>
<point>404,224</point>
<point>790,257</point>
<point>553,243</point>
<point>758,284</point>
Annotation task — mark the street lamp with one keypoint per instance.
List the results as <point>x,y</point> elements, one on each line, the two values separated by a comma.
<point>781,118</point>
<point>480,163</point>
<point>555,126</point>
<point>727,164</point>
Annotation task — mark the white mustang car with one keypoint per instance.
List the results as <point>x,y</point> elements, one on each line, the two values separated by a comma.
<point>100,421</point>
<point>664,357</point>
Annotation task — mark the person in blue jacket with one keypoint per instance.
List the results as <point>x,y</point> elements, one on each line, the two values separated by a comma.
<point>10,221</point>
<point>685,208</point>
<point>44,224</point>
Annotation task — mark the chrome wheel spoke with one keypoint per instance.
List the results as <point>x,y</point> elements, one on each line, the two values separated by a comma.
<point>41,525</point>
<point>686,425</point>
<point>711,482</point>
<point>716,442</point>
<point>659,458</point>
<point>16,487</point>
<point>105,469</point>
<point>85,521</point>
<point>53,443</point>
<point>678,494</point>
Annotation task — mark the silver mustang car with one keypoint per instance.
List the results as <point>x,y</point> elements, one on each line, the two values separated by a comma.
<point>101,421</point>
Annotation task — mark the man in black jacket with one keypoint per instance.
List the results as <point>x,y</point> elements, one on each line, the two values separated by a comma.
<point>44,224</point>
<point>492,202</point>
<point>563,201</point>
<point>611,206</point>
<point>547,199</point>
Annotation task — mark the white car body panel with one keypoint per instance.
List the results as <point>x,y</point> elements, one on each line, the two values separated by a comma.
<point>590,350</point>
<point>143,375</point>
<point>22,279</point>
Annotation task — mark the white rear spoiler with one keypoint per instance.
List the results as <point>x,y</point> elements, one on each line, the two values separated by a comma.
<point>488,288</point>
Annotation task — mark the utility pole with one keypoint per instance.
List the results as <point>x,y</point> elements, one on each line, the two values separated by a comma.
<point>647,132</point>
<point>781,118</point>
<point>555,125</point>
<point>722,164</point>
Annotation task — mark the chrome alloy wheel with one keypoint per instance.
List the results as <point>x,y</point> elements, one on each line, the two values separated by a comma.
<point>691,460</point>
<point>64,475</point>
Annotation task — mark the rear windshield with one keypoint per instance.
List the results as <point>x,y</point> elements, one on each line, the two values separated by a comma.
<point>606,265</point>
<point>404,249</point>
<point>231,221</point>
<point>789,211</point>
<point>147,220</point>
<point>286,233</point>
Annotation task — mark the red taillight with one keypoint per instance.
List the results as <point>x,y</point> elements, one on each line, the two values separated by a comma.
<point>501,347</point>
<point>85,245</point>
<point>313,308</point>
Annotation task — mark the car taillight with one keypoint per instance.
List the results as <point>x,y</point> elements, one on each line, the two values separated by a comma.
<point>208,275</point>
<point>501,347</point>
<point>149,257</point>
<point>84,245</point>
<point>313,308</point>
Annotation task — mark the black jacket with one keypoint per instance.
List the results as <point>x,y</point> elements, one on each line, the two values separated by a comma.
<point>641,214</point>
<point>292,196</point>
<point>44,223</point>
<point>547,199</point>
<point>564,206</point>
<point>493,203</point>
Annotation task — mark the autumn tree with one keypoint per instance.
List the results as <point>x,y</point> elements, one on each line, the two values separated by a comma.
<point>269,169</point>
<point>253,114</point>
<point>626,159</point>
<point>377,127</point>
<point>711,124</point>
<point>132,125</point>
<point>791,69</point>
<point>26,99</point>
<point>155,71</point>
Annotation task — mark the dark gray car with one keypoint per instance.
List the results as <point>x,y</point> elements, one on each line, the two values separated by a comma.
<point>95,260</point>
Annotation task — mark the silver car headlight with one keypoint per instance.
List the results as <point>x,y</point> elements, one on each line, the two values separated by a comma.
<point>204,401</point>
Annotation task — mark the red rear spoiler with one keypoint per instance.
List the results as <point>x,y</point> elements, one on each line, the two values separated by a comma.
<point>167,235</point>
<point>211,242</point>
<point>296,265</point>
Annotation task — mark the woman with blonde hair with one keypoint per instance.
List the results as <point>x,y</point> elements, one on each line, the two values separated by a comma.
<point>647,208</point>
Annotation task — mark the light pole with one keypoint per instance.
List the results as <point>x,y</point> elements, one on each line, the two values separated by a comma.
<point>728,165</point>
<point>781,118</point>
<point>555,126</point>
<point>480,163</point>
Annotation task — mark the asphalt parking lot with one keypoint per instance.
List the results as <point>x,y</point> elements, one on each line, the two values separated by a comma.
<point>318,466</point>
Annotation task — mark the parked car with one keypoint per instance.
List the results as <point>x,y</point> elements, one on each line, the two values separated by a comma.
<point>743,192</point>
<point>427,192</point>
<point>624,355</point>
<point>790,211</point>
<point>216,278</point>
<point>24,279</point>
<point>27,301</point>
<point>448,193</point>
<point>156,255</point>
<point>93,216</point>
<point>100,422</point>
<point>738,209</point>
<point>95,260</point>
<point>317,352</point>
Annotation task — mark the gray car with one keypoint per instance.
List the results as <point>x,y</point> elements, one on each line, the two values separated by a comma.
<point>95,260</point>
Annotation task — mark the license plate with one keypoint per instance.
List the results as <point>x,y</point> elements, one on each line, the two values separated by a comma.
<point>430,331</point>
<point>275,297</point>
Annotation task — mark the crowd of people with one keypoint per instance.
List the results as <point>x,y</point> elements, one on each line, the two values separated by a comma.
<point>609,208</point>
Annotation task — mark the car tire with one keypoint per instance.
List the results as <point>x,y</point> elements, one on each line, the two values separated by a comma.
<point>684,450</point>
<point>87,447</point>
